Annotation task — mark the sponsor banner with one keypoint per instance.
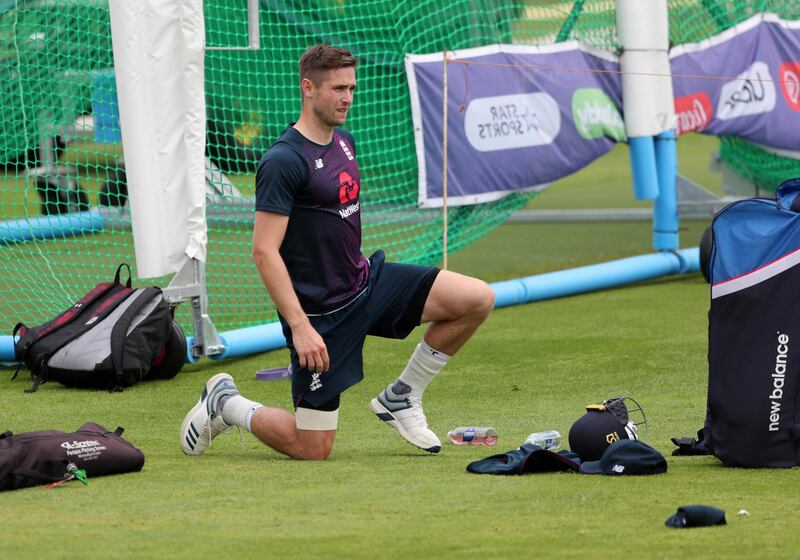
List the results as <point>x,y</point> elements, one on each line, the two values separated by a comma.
<point>750,84</point>
<point>520,117</point>
<point>513,122</point>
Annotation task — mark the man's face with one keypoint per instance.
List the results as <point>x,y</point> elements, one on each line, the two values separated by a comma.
<point>331,99</point>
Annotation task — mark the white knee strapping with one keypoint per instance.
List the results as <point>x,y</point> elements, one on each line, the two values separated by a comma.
<point>318,420</point>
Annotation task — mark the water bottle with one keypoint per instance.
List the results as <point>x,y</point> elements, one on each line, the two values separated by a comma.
<point>549,439</point>
<point>472,435</point>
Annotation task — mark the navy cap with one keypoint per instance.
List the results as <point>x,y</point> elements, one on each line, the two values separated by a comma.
<point>696,516</point>
<point>527,458</point>
<point>627,456</point>
<point>544,460</point>
<point>592,433</point>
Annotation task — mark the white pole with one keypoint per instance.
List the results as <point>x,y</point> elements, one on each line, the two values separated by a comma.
<point>444,164</point>
<point>253,31</point>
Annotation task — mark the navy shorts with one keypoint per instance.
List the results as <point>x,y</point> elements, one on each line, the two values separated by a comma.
<point>390,307</point>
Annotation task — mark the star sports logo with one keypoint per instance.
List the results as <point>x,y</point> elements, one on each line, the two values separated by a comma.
<point>511,121</point>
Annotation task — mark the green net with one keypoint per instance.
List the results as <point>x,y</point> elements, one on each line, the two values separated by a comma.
<point>61,155</point>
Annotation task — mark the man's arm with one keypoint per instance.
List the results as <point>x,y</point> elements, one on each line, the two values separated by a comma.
<point>268,233</point>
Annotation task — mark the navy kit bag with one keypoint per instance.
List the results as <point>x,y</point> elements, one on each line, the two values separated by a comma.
<point>753,416</point>
<point>111,338</point>
<point>48,456</point>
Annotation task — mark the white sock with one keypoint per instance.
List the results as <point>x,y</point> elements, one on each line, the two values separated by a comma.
<point>423,366</point>
<point>238,411</point>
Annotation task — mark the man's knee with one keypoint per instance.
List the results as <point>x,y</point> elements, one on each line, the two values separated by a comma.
<point>315,452</point>
<point>485,299</point>
<point>455,296</point>
<point>316,430</point>
<point>479,300</point>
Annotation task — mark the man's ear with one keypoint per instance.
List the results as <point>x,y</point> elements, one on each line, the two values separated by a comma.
<point>307,88</point>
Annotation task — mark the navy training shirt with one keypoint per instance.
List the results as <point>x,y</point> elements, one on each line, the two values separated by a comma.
<point>317,187</point>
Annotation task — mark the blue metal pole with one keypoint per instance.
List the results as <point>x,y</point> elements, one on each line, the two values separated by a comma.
<point>51,227</point>
<point>595,277</point>
<point>261,338</point>
<point>247,341</point>
<point>643,167</point>
<point>665,208</point>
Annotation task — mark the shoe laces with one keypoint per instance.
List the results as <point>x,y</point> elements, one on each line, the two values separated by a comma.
<point>416,411</point>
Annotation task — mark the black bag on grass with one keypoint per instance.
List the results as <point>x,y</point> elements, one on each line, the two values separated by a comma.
<point>113,337</point>
<point>753,416</point>
<point>46,456</point>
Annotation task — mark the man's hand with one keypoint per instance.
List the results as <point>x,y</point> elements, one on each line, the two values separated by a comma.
<point>310,348</point>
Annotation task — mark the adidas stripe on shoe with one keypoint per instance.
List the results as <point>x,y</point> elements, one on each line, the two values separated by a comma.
<point>202,423</point>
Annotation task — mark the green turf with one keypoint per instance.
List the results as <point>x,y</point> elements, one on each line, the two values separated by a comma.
<point>606,182</point>
<point>529,368</point>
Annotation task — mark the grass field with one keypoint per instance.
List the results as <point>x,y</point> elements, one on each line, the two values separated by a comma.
<point>530,368</point>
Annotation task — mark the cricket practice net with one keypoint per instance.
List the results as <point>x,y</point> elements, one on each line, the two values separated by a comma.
<point>61,154</point>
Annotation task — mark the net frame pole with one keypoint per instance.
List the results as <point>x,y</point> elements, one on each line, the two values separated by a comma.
<point>444,161</point>
<point>253,31</point>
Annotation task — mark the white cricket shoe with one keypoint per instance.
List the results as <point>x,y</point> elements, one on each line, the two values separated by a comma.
<point>203,423</point>
<point>405,415</point>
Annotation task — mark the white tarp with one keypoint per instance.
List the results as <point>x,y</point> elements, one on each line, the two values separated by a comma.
<point>159,60</point>
<point>643,29</point>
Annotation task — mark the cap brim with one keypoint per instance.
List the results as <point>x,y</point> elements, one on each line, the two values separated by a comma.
<point>544,460</point>
<point>591,467</point>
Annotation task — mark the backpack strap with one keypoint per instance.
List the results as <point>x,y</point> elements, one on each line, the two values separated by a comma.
<point>65,318</point>
<point>36,475</point>
<point>62,320</point>
<point>120,330</point>
<point>691,446</point>
<point>119,270</point>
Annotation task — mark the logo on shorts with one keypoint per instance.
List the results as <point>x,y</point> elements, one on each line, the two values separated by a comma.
<point>315,382</point>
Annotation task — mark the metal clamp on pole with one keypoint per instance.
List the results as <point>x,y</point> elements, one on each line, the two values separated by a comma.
<point>189,284</point>
<point>253,34</point>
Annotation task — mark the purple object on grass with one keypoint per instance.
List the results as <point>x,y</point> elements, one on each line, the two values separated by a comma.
<point>274,374</point>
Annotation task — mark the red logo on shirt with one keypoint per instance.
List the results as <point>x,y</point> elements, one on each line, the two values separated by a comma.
<point>348,188</point>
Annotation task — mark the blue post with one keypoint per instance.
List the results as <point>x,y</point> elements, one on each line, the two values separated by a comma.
<point>665,207</point>
<point>595,277</point>
<point>643,166</point>
<point>41,228</point>
<point>261,338</point>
